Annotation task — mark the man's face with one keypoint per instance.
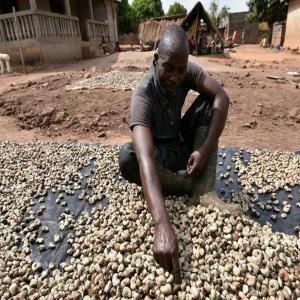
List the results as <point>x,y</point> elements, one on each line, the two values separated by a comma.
<point>171,70</point>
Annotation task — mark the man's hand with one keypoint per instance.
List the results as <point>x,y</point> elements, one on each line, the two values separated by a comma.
<point>197,162</point>
<point>165,250</point>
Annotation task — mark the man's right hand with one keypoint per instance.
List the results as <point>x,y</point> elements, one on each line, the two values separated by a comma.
<point>165,249</point>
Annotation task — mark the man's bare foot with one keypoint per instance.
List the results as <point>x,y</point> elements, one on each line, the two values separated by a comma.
<point>213,199</point>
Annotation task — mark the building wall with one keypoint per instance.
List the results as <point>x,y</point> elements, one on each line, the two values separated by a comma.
<point>23,4</point>
<point>103,10</point>
<point>115,17</point>
<point>43,5</point>
<point>292,36</point>
<point>129,39</point>
<point>150,30</point>
<point>73,7</point>
<point>81,10</point>
<point>238,23</point>
<point>100,10</point>
<point>51,50</point>
<point>111,17</point>
<point>191,32</point>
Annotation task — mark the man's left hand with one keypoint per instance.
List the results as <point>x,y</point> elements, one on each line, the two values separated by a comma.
<point>197,162</point>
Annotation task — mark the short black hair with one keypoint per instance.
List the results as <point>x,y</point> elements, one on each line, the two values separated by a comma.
<point>173,41</point>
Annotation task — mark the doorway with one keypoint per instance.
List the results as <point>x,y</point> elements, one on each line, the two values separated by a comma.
<point>81,10</point>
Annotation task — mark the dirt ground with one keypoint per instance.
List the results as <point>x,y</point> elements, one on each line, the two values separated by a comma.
<point>263,112</point>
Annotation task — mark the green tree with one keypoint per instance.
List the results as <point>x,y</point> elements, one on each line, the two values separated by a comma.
<point>218,16</point>
<point>224,14</point>
<point>269,11</point>
<point>176,9</point>
<point>146,9</point>
<point>213,11</point>
<point>127,21</point>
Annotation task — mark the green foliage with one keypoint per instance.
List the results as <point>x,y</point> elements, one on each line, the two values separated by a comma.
<point>218,16</point>
<point>269,11</point>
<point>213,11</point>
<point>127,21</point>
<point>146,9</point>
<point>176,9</point>
<point>224,13</point>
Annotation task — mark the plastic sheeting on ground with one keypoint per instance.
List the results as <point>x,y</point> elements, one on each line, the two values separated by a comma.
<point>53,211</point>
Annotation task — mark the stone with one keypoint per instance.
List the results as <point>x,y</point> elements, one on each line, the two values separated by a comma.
<point>294,114</point>
<point>273,287</point>
<point>13,289</point>
<point>194,291</point>
<point>47,111</point>
<point>166,289</point>
<point>59,117</point>
<point>283,275</point>
<point>126,292</point>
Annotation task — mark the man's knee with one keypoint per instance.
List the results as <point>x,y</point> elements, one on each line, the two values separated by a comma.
<point>128,163</point>
<point>126,158</point>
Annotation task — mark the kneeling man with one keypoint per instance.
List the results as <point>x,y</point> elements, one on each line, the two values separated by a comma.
<point>164,142</point>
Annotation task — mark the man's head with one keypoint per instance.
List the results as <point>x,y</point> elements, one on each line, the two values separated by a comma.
<point>171,58</point>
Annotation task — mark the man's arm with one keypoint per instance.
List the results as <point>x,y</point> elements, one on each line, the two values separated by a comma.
<point>214,91</point>
<point>143,146</point>
<point>165,247</point>
<point>210,87</point>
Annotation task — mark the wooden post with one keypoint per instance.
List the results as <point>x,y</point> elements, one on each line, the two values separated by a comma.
<point>17,29</point>
<point>157,33</point>
<point>1,66</point>
<point>113,14</point>
<point>91,9</point>
<point>32,4</point>
<point>36,19</point>
<point>7,65</point>
<point>67,7</point>
<point>2,36</point>
<point>196,33</point>
<point>8,30</point>
<point>88,29</point>
<point>141,34</point>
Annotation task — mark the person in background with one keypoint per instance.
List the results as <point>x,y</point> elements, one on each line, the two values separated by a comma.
<point>103,44</point>
<point>225,34</point>
<point>210,45</point>
<point>203,42</point>
<point>117,47</point>
<point>192,45</point>
<point>231,39</point>
<point>218,45</point>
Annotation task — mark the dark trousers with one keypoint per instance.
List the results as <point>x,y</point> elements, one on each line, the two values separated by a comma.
<point>173,154</point>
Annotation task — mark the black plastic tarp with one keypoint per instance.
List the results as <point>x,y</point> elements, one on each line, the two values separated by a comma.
<point>50,216</point>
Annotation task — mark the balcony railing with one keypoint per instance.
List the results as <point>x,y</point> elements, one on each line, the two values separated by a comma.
<point>97,29</point>
<point>37,24</point>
